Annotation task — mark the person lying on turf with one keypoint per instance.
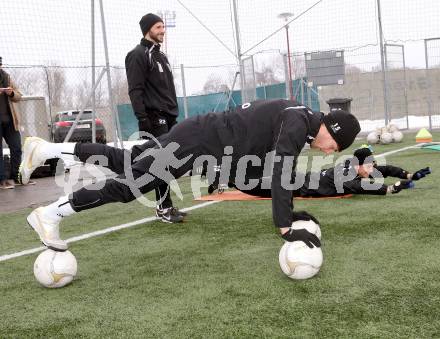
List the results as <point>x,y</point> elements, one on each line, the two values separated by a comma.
<point>279,128</point>
<point>354,176</point>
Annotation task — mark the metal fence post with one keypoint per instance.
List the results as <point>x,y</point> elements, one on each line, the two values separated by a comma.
<point>49,100</point>
<point>405,89</point>
<point>116,125</point>
<point>309,94</point>
<point>185,101</point>
<point>286,75</point>
<point>383,63</point>
<point>93,71</point>
<point>429,82</point>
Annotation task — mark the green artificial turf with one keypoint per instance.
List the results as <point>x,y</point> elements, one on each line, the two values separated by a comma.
<point>217,275</point>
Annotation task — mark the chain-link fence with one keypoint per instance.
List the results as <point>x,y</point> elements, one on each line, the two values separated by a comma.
<point>66,90</point>
<point>54,57</point>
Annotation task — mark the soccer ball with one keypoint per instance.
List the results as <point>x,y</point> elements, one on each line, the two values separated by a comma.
<point>397,136</point>
<point>297,260</point>
<point>386,138</point>
<point>373,138</point>
<point>55,269</point>
<point>392,128</point>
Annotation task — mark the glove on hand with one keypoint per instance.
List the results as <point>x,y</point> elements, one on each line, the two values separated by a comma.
<point>302,235</point>
<point>407,184</point>
<point>421,173</point>
<point>303,215</point>
<point>400,185</point>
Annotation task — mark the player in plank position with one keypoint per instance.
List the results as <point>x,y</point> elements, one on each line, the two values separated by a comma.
<point>270,133</point>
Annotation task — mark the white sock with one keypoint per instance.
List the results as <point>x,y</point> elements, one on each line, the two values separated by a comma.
<point>62,150</point>
<point>59,209</point>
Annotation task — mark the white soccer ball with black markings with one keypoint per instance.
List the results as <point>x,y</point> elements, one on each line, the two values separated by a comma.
<point>386,138</point>
<point>55,269</point>
<point>297,260</point>
<point>373,138</point>
<point>397,136</point>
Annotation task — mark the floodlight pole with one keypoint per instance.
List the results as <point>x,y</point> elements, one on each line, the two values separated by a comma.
<point>117,134</point>
<point>428,77</point>
<point>383,63</point>
<point>185,99</point>
<point>238,46</point>
<point>286,17</point>
<point>289,63</point>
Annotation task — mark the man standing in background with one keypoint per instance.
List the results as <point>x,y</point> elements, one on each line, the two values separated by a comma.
<point>153,97</point>
<point>9,121</point>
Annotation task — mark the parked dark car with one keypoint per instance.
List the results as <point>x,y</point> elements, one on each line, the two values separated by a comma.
<point>83,131</point>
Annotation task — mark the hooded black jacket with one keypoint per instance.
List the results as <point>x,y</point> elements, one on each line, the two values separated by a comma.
<point>257,128</point>
<point>332,183</point>
<point>150,81</point>
<point>337,181</point>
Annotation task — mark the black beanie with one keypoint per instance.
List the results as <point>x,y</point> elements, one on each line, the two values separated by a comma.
<point>342,126</point>
<point>364,155</point>
<point>147,21</point>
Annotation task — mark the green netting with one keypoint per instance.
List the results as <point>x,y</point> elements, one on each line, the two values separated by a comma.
<point>128,121</point>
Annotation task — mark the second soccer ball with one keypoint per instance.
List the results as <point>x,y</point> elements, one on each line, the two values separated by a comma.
<point>55,269</point>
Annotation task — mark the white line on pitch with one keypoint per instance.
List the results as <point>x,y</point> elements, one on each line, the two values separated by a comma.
<point>100,232</point>
<point>400,150</point>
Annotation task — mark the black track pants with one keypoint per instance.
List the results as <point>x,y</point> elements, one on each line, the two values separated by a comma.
<point>124,187</point>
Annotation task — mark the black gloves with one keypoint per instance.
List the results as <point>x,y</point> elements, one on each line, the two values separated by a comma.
<point>400,185</point>
<point>404,184</point>
<point>303,215</point>
<point>421,173</point>
<point>302,235</point>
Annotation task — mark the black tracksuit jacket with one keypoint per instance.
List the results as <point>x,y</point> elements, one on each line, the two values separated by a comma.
<point>330,182</point>
<point>150,81</point>
<point>257,128</point>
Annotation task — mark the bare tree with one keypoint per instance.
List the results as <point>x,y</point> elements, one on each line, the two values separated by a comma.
<point>215,84</point>
<point>265,76</point>
<point>119,87</point>
<point>376,68</point>
<point>270,70</point>
<point>29,80</point>
<point>56,85</point>
<point>351,69</point>
<point>80,93</point>
<point>69,97</point>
